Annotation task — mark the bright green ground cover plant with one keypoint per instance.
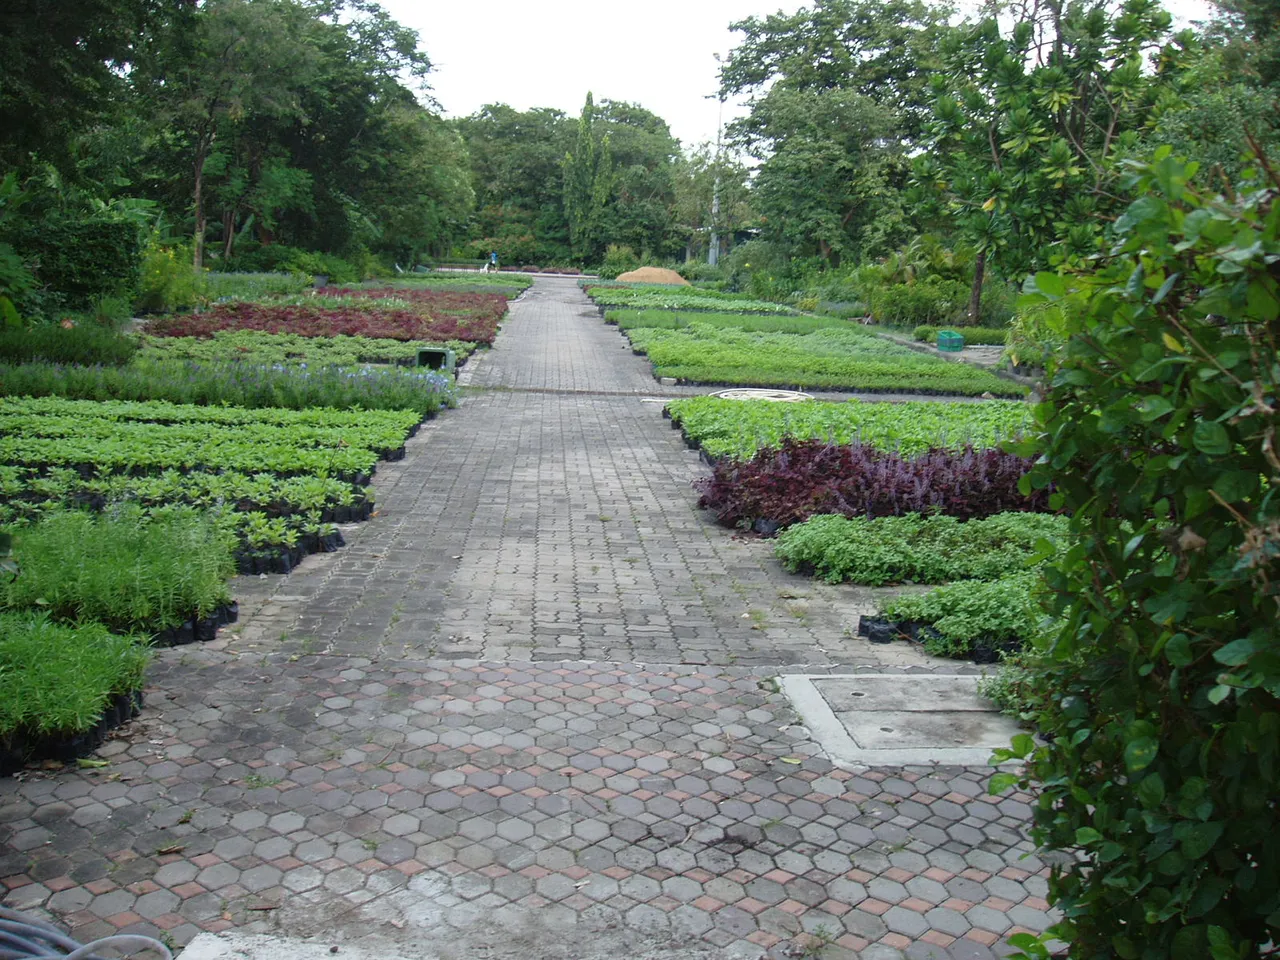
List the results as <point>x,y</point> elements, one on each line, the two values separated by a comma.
<point>281,474</point>
<point>250,286</point>
<point>916,549</point>
<point>679,298</point>
<point>968,613</point>
<point>1159,696</point>
<point>257,347</point>
<point>756,323</point>
<point>128,569</point>
<point>511,284</point>
<point>825,359</point>
<point>129,445</point>
<point>739,428</point>
<point>57,679</point>
<point>237,383</point>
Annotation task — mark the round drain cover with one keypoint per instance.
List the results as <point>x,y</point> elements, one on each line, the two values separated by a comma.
<point>778,396</point>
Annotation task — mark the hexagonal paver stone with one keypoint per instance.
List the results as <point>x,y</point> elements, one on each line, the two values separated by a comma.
<point>948,921</point>
<point>401,824</point>
<point>260,878</point>
<point>984,918</point>
<point>287,822</point>
<point>555,887</point>
<point>682,889</point>
<point>218,876</point>
<point>926,889</point>
<point>156,904</point>
<point>647,919</point>
<point>301,879</point>
<point>313,851</point>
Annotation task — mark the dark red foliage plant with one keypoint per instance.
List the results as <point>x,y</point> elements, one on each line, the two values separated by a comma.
<point>802,478</point>
<point>435,315</point>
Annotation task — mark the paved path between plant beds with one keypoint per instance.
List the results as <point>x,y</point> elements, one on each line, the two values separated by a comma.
<point>586,759</point>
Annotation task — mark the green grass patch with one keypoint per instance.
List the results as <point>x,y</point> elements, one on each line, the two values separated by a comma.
<point>84,343</point>
<point>755,323</point>
<point>915,549</point>
<point>739,428</point>
<point>680,298</point>
<point>255,346</point>
<point>251,286</point>
<point>128,569</point>
<point>995,614</point>
<point>57,679</point>
<point>833,359</point>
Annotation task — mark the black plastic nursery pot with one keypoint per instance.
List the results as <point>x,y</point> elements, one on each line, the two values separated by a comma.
<point>202,629</point>
<point>24,746</point>
<point>981,650</point>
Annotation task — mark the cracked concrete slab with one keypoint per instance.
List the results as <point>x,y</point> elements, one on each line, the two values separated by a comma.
<point>886,720</point>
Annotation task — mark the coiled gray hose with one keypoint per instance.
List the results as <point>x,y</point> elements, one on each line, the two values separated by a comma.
<point>23,938</point>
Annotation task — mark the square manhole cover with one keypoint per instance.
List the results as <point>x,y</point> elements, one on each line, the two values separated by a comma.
<point>892,719</point>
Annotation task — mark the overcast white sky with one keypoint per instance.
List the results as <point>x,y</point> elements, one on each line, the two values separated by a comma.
<point>656,53</point>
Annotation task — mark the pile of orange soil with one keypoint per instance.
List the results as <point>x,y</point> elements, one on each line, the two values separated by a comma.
<point>654,275</point>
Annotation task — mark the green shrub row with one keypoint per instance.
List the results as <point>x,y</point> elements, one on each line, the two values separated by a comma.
<point>128,569</point>
<point>678,298</point>
<point>85,344</point>
<point>826,359</point>
<point>57,679</point>
<point>986,336</point>
<point>755,323</point>
<point>963,614</point>
<point>280,476</point>
<point>237,383</point>
<point>739,428</point>
<point>915,549</point>
<point>255,346</point>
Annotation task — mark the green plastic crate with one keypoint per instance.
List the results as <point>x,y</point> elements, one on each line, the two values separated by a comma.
<point>437,358</point>
<point>950,341</point>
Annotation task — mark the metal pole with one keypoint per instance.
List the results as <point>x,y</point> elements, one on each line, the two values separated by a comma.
<point>713,255</point>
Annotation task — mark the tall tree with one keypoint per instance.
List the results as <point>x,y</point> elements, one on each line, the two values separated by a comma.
<point>588,185</point>
<point>1029,122</point>
<point>62,66</point>
<point>516,165</point>
<point>243,58</point>
<point>885,51</point>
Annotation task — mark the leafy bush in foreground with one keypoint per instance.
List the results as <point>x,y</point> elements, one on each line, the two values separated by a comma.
<point>802,478</point>
<point>913,548</point>
<point>126,569</point>
<point>1159,696</point>
<point>57,679</point>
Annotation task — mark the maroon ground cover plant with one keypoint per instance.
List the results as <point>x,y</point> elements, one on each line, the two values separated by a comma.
<point>435,316</point>
<point>803,478</point>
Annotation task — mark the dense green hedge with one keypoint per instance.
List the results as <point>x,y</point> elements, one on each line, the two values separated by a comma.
<point>81,260</point>
<point>84,344</point>
<point>972,335</point>
<point>914,548</point>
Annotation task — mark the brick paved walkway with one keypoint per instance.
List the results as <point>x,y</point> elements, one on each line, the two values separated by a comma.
<point>525,713</point>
